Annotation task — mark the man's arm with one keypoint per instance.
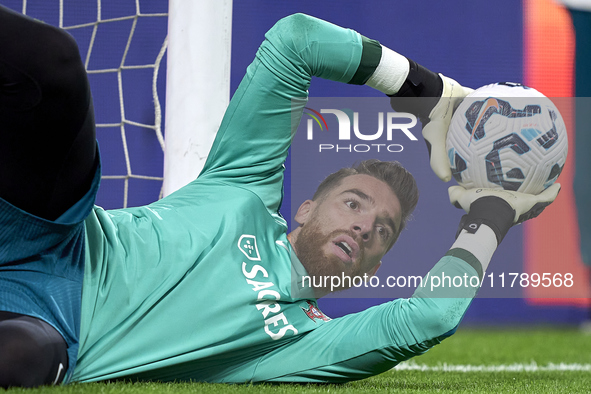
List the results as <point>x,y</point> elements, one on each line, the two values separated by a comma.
<point>252,142</point>
<point>370,342</point>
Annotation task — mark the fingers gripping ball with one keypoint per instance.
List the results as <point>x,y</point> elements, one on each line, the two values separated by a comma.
<point>507,136</point>
<point>435,131</point>
<point>433,98</point>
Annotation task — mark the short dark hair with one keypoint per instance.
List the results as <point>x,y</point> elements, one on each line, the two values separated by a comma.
<point>401,182</point>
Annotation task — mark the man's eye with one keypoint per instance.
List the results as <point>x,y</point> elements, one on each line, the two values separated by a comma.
<point>352,204</point>
<point>383,232</point>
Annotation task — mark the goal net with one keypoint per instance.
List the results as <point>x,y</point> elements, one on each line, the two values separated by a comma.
<point>124,44</point>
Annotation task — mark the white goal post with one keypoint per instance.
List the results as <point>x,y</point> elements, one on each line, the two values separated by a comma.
<point>198,85</point>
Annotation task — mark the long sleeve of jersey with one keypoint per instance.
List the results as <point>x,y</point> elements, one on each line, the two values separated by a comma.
<point>256,131</point>
<point>367,343</point>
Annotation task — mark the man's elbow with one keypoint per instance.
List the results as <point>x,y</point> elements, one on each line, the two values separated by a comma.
<point>292,30</point>
<point>435,321</point>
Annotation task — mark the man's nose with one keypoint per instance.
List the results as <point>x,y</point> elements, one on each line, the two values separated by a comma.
<point>362,227</point>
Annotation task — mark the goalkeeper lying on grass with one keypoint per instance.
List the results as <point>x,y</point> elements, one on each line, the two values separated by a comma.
<point>198,286</point>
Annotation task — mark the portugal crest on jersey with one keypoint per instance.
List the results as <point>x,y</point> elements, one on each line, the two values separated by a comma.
<point>314,313</point>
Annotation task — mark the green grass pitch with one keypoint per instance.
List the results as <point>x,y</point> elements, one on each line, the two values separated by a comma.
<point>522,360</point>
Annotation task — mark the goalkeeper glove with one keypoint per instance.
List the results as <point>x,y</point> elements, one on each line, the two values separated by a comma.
<point>498,209</point>
<point>435,131</point>
<point>433,98</point>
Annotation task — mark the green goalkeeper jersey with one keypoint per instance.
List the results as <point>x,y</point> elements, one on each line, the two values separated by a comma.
<point>198,286</point>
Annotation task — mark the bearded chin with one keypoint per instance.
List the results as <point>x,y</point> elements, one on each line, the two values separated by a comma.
<point>309,249</point>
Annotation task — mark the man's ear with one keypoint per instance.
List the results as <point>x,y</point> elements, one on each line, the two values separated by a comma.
<point>303,213</point>
<point>375,268</point>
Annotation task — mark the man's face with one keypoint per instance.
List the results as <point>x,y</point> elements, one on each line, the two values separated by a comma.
<point>349,229</point>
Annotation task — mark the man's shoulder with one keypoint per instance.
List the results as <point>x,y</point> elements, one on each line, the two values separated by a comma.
<point>222,197</point>
<point>207,203</point>
<point>217,190</point>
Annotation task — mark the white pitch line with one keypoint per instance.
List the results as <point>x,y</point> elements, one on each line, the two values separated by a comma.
<point>516,367</point>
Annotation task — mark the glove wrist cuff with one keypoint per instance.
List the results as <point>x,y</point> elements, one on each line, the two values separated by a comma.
<point>420,82</point>
<point>495,212</point>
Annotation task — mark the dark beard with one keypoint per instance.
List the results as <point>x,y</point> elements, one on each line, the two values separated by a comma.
<point>308,248</point>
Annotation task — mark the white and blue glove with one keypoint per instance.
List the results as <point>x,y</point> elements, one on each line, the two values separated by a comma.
<point>435,131</point>
<point>432,98</point>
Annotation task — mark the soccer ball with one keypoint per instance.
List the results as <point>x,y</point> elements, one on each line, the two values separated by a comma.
<point>507,136</point>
